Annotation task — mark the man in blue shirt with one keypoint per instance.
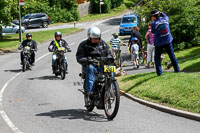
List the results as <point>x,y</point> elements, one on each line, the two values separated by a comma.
<point>162,40</point>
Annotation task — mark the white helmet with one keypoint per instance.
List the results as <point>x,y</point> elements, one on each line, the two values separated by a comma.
<point>94,32</point>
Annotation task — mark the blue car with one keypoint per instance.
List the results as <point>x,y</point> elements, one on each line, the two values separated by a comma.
<point>127,23</point>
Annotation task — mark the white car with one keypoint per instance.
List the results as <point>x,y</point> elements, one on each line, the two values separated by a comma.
<point>12,29</point>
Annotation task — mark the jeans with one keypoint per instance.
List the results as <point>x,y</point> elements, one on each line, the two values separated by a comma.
<point>170,51</point>
<point>53,60</point>
<point>90,76</point>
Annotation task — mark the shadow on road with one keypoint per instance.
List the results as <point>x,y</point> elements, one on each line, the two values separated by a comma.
<point>73,114</point>
<point>50,77</point>
<point>14,70</point>
<point>114,21</point>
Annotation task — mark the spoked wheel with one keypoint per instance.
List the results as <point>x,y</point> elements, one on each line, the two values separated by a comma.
<point>112,100</point>
<point>24,65</point>
<point>62,70</point>
<point>142,60</point>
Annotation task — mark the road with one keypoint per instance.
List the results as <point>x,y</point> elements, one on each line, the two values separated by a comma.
<point>38,102</point>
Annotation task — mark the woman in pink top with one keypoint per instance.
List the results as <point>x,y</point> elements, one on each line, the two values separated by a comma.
<point>150,46</point>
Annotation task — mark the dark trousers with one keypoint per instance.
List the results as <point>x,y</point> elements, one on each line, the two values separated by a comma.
<point>170,51</point>
<point>32,57</point>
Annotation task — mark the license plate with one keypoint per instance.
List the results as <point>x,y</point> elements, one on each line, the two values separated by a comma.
<point>109,68</point>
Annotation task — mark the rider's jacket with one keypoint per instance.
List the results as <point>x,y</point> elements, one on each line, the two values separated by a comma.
<point>55,44</point>
<point>160,28</point>
<point>87,50</point>
<point>31,43</point>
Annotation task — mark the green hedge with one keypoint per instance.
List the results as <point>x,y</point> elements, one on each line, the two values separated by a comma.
<point>106,8</point>
<point>184,20</point>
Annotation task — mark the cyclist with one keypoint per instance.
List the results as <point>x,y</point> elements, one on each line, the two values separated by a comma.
<point>88,51</point>
<point>54,45</point>
<point>33,46</point>
<point>115,43</point>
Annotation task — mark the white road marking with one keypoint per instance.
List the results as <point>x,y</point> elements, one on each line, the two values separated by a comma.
<point>116,27</point>
<point>2,112</point>
<point>105,31</point>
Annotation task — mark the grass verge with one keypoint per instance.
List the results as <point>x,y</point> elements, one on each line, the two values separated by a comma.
<point>12,41</point>
<point>93,17</point>
<point>177,90</point>
<point>188,59</point>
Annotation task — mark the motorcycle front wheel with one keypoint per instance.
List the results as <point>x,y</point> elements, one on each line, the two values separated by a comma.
<point>112,100</point>
<point>62,70</point>
<point>24,65</point>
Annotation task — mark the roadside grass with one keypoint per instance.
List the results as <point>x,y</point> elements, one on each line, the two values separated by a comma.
<point>93,17</point>
<point>12,41</point>
<point>188,59</point>
<point>113,12</point>
<point>177,90</point>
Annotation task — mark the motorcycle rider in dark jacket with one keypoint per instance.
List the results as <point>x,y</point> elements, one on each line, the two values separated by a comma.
<point>54,45</point>
<point>32,44</point>
<point>88,50</point>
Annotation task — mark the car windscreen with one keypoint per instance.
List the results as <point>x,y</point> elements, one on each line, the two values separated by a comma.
<point>26,17</point>
<point>126,20</point>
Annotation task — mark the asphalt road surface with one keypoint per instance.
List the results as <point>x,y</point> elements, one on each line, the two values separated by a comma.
<point>38,102</point>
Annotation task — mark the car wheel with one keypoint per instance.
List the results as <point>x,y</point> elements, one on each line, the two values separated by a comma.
<point>45,25</point>
<point>25,26</point>
<point>17,31</point>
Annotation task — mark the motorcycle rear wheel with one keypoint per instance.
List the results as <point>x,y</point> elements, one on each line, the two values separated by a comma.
<point>112,100</point>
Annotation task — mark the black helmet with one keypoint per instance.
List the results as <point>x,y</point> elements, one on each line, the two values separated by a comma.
<point>58,33</point>
<point>28,35</point>
<point>155,12</point>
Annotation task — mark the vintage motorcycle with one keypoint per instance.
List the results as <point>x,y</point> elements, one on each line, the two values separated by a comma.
<point>60,66</point>
<point>106,90</point>
<point>27,58</point>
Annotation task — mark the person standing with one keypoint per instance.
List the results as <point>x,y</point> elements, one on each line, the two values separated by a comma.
<point>134,52</point>
<point>135,33</point>
<point>162,39</point>
<point>150,46</point>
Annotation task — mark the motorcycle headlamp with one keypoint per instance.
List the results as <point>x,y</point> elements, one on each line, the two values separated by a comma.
<point>54,57</point>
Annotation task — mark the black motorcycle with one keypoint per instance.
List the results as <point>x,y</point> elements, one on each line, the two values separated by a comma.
<point>106,90</point>
<point>60,66</point>
<point>27,59</point>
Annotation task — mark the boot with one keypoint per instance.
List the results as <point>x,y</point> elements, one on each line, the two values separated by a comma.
<point>66,68</point>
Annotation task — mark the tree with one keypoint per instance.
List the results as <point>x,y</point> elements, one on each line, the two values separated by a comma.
<point>5,16</point>
<point>183,17</point>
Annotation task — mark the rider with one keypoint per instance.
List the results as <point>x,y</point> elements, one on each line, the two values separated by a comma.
<point>55,44</point>
<point>89,50</point>
<point>32,44</point>
<point>115,43</point>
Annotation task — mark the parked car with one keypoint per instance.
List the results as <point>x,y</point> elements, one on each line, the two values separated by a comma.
<point>127,23</point>
<point>34,20</point>
<point>12,28</point>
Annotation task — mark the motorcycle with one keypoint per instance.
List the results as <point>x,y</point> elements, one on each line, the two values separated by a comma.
<point>106,90</point>
<point>60,66</point>
<point>27,58</point>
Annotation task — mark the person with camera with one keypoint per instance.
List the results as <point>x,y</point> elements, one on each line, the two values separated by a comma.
<point>88,52</point>
<point>162,40</point>
<point>32,44</point>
